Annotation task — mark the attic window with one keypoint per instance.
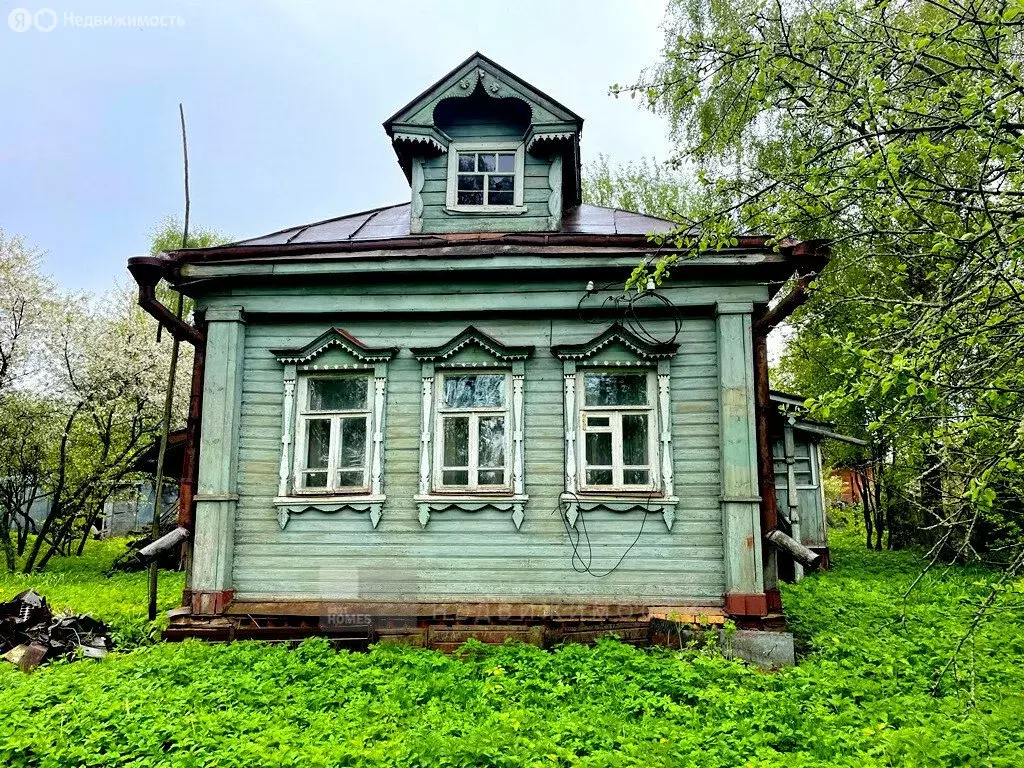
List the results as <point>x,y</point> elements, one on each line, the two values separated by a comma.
<point>486,178</point>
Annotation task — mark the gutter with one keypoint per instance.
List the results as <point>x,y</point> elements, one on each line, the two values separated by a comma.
<point>811,257</point>
<point>147,271</point>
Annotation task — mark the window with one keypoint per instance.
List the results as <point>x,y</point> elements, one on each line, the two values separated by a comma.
<point>485,178</point>
<point>332,446</point>
<point>618,427</point>
<point>473,440</point>
<point>803,465</point>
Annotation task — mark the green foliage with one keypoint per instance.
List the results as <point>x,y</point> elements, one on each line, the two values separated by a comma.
<point>645,187</point>
<point>861,696</point>
<point>896,130</point>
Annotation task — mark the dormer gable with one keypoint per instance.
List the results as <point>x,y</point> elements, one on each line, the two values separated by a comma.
<point>484,151</point>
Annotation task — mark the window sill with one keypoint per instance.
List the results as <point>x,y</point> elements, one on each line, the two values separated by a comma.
<point>296,505</point>
<point>586,501</point>
<point>472,502</point>
<point>486,210</point>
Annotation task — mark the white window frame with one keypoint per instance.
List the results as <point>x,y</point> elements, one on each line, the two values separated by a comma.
<point>451,199</point>
<point>441,411</point>
<point>304,415</point>
<point>615,414</point>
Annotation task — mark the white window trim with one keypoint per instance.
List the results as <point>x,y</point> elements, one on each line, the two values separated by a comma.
<point>518,207</point>
<point>440,411</point>
<point>653,432</point>
<point>303,416</point>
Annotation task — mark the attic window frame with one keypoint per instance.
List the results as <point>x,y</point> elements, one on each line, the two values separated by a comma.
<point>451,200</point>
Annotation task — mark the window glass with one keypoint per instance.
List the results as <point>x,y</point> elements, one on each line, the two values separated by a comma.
<point>473,440</point>
<point>476,185</point>
<point>456,442</point>
<point>618,423</point>
<point>634,438</point>
<point>338,394</point>
<point>492,441</point>
<point>611,389</point>
<point>335,424</point>
<point>353,442</point>
<point>599,449</point>
<point>474,390</point>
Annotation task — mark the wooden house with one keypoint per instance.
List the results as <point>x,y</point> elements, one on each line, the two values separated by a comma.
<point>437,411</point>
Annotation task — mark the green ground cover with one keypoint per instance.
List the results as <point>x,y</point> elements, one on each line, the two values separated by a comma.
<point>861,696</point>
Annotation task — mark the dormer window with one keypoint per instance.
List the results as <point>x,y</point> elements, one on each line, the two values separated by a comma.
<point>485,178</point>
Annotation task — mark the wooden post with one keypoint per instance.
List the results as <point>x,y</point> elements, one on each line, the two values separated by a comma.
<point>218,459</point>
<point>741,523</point>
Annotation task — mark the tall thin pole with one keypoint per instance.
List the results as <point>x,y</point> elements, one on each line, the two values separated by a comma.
<point>172,375</point>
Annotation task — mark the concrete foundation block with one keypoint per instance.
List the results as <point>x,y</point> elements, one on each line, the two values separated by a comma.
<point>768,650</point>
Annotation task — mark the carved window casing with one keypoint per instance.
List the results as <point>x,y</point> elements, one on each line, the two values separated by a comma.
<point>332,437</point>
<point>471,385</point>
<point>486,177</point>
<point>618,425</point>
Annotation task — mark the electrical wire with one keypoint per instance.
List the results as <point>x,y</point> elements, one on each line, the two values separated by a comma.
<point>576,561</point>
<point>624,304</point>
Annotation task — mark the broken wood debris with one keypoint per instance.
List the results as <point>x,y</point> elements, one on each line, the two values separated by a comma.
<point>30,634</point>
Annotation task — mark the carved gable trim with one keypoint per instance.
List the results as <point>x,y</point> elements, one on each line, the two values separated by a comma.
<point>472,335</point>
<point>335,337</point>
<point>614,333</point>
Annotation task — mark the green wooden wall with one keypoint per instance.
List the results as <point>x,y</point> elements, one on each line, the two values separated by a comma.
<point>481,555</point>
<point>482,122</point>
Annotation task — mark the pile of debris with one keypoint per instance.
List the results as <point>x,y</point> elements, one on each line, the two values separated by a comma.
<point>30,634</point>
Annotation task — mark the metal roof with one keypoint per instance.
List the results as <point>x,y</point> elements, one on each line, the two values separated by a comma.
<point>393,221</point>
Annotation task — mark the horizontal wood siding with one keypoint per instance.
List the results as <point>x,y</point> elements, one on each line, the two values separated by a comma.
<point>481,555</point>
<point>536,189</point>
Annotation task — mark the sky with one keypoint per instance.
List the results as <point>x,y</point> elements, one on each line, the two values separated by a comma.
<point>284,101</point>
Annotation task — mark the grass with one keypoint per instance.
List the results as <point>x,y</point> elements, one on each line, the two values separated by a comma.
<point>861,696</point>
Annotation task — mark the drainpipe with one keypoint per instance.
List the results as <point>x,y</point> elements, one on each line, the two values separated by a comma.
<point>811,256</point>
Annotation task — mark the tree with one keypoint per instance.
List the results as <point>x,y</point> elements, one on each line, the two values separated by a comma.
<point>896,129</point>
<point>645,187</point>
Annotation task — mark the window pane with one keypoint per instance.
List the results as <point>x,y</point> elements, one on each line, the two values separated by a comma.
<point>491,477</point>
<point>471,198</point>
<point>487,163</point>
<point>500,198</point>
<point>353,442</point>
<point>471,183</point>
<point>598,421</point>
<point>599,477</point>
<point>318,441</point>
<point>467,162</point>
<point>500,183</point>
<point>314,480</point>
<point>506,163</point>
<point>634,438</point>
<point>479,390</point>
<point>350,478</point>
<point>615,388</point>
<point>456,442</point>
<point>492,442</point>
<point>339,394</point>
<point>635,477</point>
<point>599,449</point>
<point>455,477</point>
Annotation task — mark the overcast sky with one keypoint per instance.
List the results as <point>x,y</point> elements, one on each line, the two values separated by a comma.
<point>284,102</point>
